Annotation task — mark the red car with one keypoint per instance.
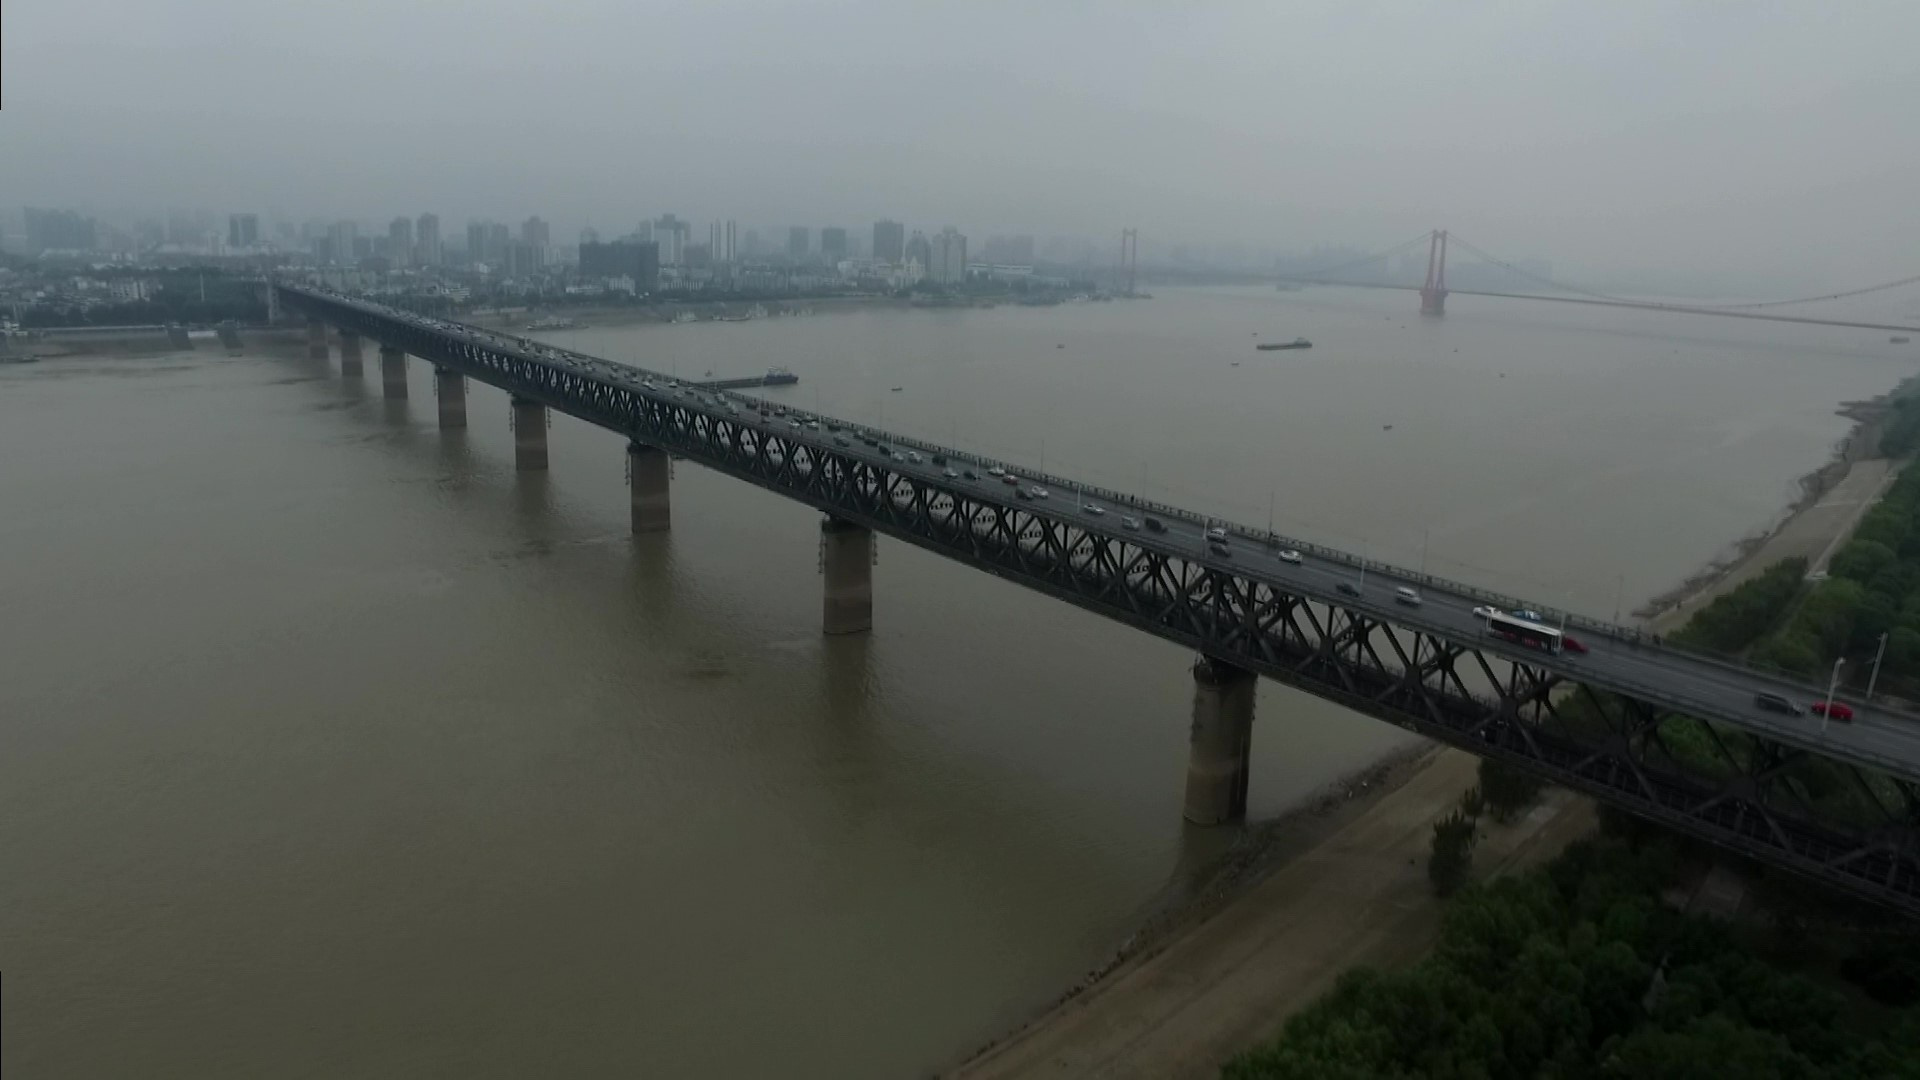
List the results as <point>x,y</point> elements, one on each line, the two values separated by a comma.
<point>1572,645</point>
<point>1839,710</point>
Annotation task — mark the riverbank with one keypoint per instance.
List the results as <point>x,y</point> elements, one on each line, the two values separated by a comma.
<point>1227,978</point>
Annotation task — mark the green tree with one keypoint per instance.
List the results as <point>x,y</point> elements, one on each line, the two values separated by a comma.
<point>1452,856</point>
<point>1861,560</point>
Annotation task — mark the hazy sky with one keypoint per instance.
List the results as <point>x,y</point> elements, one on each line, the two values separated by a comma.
<point>1774,139</point>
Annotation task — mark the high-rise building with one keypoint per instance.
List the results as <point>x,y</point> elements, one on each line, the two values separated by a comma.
<point>671,234</point>
<point>400,241</point>
<point>919,250</point>
<point>797,242</point>
<point>534,231</point>
<point>525,259</point>
<point>622,258</point>
<point>426,240</point>
<point>243,230</point>
<point>341,241</point>
<point>833,243</point>
<point>698,256</point>
<point>730,252</point>
<point>947,264</point>
<point>889,242</point>
<point>62,229</point>
<point>499,242</point>
<point>476,241</point>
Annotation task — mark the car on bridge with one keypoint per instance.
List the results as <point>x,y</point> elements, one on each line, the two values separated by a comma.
<point>1093,508</point>
<point>1347,588</point>
<point>1573,644</point>
<point>1777,703</point>
<point>1154,524</point>
<point>1290,556</point>
<point>1130,524</point>
<point>1406,595</point>
<point>1485,611</point>
<point>1837,710</point>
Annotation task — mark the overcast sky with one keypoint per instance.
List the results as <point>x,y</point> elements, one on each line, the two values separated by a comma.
<point>1779,139</point>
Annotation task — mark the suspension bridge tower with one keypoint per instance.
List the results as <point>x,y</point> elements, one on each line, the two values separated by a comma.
<point>1433,294</point>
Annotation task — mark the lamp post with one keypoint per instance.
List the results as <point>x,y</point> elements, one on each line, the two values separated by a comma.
<point>1877,654</point>
<point>1826,711</point>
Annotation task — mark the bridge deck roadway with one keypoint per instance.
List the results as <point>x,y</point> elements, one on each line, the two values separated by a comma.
<point>1709,688</point>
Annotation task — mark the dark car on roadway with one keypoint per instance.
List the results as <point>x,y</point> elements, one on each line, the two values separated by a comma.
<point>1347,588</point>
<point>1573,644</point>
<point>1154,525</point>
<point>1777,703</point>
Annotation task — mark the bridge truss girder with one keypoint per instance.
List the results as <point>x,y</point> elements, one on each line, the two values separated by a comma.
<point>1747,796</point>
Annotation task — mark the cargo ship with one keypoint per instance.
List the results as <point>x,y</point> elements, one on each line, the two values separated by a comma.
<point>1296,343</point>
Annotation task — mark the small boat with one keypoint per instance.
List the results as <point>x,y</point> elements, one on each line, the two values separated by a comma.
<point>1296,343</point>
<point>896,389</point>
<point>1899,340</point>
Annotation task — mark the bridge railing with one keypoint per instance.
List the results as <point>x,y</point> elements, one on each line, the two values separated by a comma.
<point>534,351</point>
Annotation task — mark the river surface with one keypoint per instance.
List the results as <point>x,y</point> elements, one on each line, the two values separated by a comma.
<point>330,746</point>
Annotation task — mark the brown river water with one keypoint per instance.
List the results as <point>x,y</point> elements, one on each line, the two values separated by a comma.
<point>331,746</point>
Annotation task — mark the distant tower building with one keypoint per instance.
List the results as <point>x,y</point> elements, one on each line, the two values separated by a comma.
<point>400,241</point>
<point>499,242</point>
<point>534,231</point>
<point>476,241</point>
<point>889,242</point>
<point>920,250</point>
<point>631,259</point>
<point>732,251</point>
<point>797,242</point>
<point>589,235</point>
<point>525,260</point>
<point>341,240</point>
<point>833,243</point>
<point>426,240</point>
<point>948,262</point>
<point>243,231</point>
<point>671,234</point>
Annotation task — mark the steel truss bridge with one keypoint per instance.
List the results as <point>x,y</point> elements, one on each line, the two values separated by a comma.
<point>1622,723</point>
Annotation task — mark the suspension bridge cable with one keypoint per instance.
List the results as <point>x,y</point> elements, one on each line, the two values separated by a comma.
<point>1504,265</point>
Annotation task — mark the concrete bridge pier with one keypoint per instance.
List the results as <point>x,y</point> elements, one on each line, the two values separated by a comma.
<point>649,475</point>
<point>450,387</point>
<point>350,355</point>
<point>846,560</point>
<point>1219,743</point>
<point>529,435</point>
<point>316,339</point>
<point>393,372</point>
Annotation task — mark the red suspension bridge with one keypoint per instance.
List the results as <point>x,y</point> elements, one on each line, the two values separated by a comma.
<point>1434,291</point>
